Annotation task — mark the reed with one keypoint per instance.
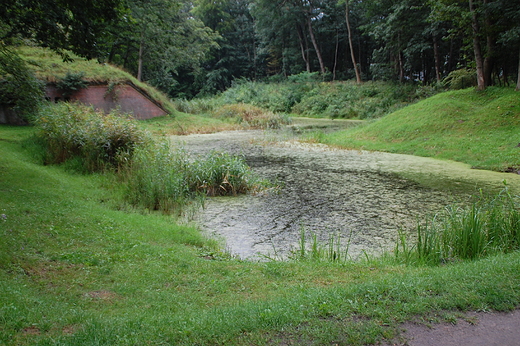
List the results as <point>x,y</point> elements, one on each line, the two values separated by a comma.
<point>310,248</point>
<point>162,177</point>
<point>78,133</point>
<point>488,226</point>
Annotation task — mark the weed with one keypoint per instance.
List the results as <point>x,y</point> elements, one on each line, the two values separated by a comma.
<point>488,226</point>
<point>160,177</point>
<point>251,117</point>
<point>73,131</point>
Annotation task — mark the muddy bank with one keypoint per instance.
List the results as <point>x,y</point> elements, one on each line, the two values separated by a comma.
<point>361,197</point>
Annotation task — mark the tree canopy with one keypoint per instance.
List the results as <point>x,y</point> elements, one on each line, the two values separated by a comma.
<point>191,47</point>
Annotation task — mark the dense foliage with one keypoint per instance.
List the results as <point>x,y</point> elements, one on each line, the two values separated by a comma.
<point>153,174</point>
<point>95,141</point>
<point>302,96</point>
<point>19,88</point>
<point>188,48</point>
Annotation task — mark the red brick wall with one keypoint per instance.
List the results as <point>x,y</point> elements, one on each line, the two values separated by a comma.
<point>125,96</point>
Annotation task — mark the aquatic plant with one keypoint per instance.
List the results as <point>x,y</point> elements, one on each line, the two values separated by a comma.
<point>488,226</point>
<point>162,177</point>
<point>334,250</point>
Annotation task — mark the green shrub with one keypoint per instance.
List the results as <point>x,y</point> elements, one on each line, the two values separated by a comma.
<point>72,82</point>
<point>461,79</point>
<point>195,106</point>
<point>251,116</point>
<point>72,131</point>
<point>19,88</point>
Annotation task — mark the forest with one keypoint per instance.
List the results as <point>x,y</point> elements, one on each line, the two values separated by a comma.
<point>195,48</point>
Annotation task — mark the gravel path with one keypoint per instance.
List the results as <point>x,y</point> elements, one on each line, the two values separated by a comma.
<point>476,329</point>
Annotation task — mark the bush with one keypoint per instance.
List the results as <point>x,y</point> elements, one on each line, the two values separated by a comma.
<point>251,116</point>
<point>461,79</point>
<point>72,82</point>
<point>73,131</point>
<point>19,88</point>
<point>164,178</point>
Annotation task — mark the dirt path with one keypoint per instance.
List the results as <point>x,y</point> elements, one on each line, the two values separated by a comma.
<point>476,329</point>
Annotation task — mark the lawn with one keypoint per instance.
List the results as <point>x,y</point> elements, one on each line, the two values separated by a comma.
<point>80,267</point>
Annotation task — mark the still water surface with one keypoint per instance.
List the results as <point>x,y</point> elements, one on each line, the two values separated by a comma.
<point>362,198</point>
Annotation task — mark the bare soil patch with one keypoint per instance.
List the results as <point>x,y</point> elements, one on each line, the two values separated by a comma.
<point>476,329</point>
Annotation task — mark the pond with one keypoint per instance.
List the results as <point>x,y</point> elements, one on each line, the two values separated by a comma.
<point>359,198</point>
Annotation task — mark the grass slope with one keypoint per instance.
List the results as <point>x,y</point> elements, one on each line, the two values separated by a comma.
<point>478,128</point>
<point>50,67</point>
<point>74,270</point>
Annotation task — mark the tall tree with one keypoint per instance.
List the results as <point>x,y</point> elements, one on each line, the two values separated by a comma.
<point>161,43</point>
<point>236,56</point>
<point>62,25</point>
<point>477,48</point>
<point>351,45</point>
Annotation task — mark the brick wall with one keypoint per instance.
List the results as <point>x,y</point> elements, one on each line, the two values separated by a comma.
<point>128,98</point>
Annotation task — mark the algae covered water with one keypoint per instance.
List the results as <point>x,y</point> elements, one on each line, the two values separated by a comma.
<point>360,198</point>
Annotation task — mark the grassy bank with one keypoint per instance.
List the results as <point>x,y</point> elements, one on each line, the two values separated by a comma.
<point>477,128</point>
<point>78,269</point>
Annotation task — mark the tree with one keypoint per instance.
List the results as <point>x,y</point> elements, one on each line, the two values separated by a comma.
<point>19,88</point>
<point>351,45</point>
<point>236,56</point>
<point>60,25</point>
<point>482,23</point>
<point>160,42</point>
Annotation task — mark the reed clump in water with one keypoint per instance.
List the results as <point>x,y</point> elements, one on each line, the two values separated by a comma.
<point>488,226</point>
<point>153,174</point>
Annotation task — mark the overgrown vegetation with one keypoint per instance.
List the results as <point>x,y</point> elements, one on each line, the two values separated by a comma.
<point>72,82</point>
<point>477,128</point>
<point>19,88</point>
<point>301,96</point>
<point>74,270</point>
<point>71,131</point>
<point>155,175</point>
<point>164,178</point>
<point>489,226</point>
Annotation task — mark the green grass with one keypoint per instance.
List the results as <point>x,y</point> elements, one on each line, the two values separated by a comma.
<point>77,269</point>
<point>481,129</point>
<point>50,67</point>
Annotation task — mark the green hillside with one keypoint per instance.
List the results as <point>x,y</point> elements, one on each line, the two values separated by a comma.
<point>478,128</point>
<point>50,67</point>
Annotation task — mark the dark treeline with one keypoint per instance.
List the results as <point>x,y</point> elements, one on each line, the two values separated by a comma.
<point>188,48</point>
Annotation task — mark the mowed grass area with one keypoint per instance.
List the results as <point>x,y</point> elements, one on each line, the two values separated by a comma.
<point>77,267</point>
<point>481,129</point>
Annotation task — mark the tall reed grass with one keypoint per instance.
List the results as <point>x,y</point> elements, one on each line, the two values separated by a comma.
<point>334,250</point>
<point>161,177</point>
<point>153,174</point>
<point>488,226</point>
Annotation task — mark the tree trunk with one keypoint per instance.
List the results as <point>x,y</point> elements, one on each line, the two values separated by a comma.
<point>315,44</point>
<point>140,61</point>
<point>489,60</point>
<point>437,59</point>
<point>352,55</point>
<point>518,80</point>
<point>481,80</point>
<point>303,47</point>
<point>335,57</point>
